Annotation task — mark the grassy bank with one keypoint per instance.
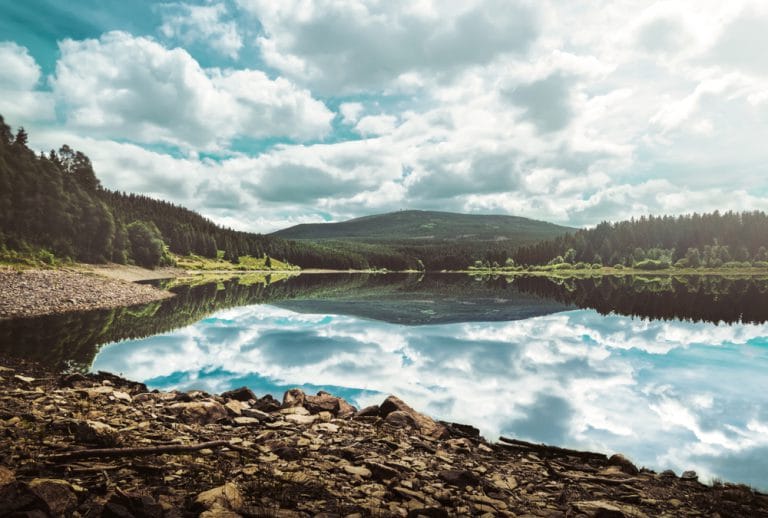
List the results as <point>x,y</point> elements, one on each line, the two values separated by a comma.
<point>548,271</point>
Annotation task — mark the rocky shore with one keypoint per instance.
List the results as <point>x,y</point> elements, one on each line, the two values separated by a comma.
<point>99,445</point>
<point>28,293</point>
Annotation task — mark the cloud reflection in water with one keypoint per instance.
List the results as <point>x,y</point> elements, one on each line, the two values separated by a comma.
<point>667,394</point>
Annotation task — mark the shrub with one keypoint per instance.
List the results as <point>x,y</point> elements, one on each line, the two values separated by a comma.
<point>147,248</point>
<point>618,266</point>
<point>760,264</point>
<point>562,266</point>
<point>681,263</point>
<point>596,266</point>
<point>652,264</point>
<point>580,266</point>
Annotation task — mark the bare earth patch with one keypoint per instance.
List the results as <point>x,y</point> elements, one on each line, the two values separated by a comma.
<point>41,292</point>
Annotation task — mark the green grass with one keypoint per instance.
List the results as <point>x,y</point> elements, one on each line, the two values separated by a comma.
<point>247,263</point>
<point>557,270</point>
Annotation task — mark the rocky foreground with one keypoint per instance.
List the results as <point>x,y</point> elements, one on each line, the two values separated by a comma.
<point>28,293</point>
<point>99,445</point>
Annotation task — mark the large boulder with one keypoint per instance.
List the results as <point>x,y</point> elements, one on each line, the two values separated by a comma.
<point>425,425</point>
<point>325,402</point>
<point>240,394</point>
<point>199,412</point>
<point>294,397</point>
<point>623,463</point>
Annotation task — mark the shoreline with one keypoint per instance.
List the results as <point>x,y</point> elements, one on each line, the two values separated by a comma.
<point>98,443</point>
<point>38,292</point>
<point>35,292</point>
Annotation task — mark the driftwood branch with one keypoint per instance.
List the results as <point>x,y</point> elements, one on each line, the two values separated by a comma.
<point>551,450</point>
<point>134,452</point>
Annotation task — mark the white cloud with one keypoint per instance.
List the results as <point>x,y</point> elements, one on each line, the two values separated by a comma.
<point>128,87</point>
<point>191,23</point>
<point>20,101</point>
<point>353,45</point>
<point>376,125</point>
<point>350,112</point>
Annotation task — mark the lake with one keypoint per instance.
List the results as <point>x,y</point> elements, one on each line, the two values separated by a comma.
<point>671,372</point>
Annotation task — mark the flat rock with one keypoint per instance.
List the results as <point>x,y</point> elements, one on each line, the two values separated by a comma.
<point>226,497</point>
<point>301,419</point>
<point>605,509</point>
<point>459,478</point>
<point>96,432</point>
<point>245,421</point>
<point>199,412</point>
<point>359,471</point>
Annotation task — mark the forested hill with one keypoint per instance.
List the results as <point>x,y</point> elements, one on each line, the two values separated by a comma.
<point>411,226</point>
<point>713,240</point>
<point>54,202</point>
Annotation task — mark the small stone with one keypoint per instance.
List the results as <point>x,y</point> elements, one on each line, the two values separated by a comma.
<point>358,471</point>
<point>122,396</point>
<point>245,421</point>
<point>326,427</point>
<point>287,453</point>
<point>380,471</point>
<point>6,476</point>
<point>294,410</point>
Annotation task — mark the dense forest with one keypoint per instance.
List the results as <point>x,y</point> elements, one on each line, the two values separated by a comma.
<point>713,240</point>
<point>54,202</point>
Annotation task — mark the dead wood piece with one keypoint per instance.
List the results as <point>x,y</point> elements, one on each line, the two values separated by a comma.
<point>134,452</point>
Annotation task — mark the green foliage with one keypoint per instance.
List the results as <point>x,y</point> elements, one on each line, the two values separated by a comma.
<point>146,244</point>
<point>702,240</point>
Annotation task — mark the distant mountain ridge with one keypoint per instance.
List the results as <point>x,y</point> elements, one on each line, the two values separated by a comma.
<point>420,226</point>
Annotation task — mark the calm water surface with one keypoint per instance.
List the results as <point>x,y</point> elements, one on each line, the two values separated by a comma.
<point>670,372</point>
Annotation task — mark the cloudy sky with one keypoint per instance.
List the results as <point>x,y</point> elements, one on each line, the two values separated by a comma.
<point>264,113</point>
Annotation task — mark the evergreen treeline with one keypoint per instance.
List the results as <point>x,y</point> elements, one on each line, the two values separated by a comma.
<point>695,240</point>
<point>55,202</point>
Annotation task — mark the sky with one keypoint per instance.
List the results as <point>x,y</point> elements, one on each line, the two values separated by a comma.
<point>263,114</point>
